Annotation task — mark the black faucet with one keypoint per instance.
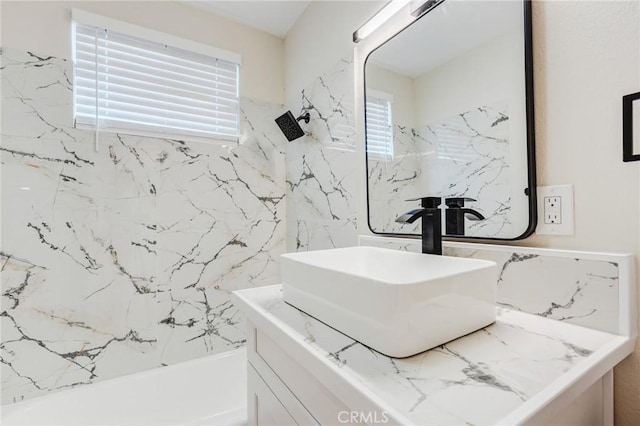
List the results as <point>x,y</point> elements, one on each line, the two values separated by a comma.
<point>456,213</point>
<point>431,223</point>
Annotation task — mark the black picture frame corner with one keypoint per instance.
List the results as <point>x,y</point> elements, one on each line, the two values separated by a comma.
<point>628,125</point>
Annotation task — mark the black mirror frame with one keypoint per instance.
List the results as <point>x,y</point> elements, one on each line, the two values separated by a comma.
<point>627,128</point>
<point>530,191</point>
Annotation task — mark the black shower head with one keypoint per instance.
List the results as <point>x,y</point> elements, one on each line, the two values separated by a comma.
<point>289,125</point>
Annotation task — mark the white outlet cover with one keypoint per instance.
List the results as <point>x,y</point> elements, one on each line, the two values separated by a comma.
<point>565,227</point>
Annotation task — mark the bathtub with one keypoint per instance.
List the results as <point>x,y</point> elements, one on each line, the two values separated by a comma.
<point>205,391</point>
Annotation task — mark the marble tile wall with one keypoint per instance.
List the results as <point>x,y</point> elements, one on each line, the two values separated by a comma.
<point>464,155</point>
<point>399,178</point>
<point>321,171</point>
<point>469,156</point>
<point>123,259</point>
<point>575,289</point>
<point>321,180</point>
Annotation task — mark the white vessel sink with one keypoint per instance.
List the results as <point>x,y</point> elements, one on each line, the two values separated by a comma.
<point>395,302</point>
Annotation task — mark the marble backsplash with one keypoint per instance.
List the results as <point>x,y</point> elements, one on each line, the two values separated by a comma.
<point>577,289</point>
<point>123,259</point>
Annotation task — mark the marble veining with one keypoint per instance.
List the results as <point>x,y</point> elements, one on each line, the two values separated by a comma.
<point>124,259</point>
<point>321,172</point>
<point>321,176</point>
<point>494,370</point>
<point>398,178</point>
<point>570,289</point>
<point>464,155</point>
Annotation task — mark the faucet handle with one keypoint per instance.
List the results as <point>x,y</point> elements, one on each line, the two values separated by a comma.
<point>428,202</point>
<point>456,202</point>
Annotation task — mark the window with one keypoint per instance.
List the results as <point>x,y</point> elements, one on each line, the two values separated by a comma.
<point>144,86</point>
<point>379,125</point>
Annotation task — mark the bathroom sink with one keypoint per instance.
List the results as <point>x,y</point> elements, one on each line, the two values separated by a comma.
<point>395,302</point>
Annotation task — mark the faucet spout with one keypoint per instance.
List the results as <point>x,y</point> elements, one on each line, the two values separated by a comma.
<point>472,214</point>
<point>431,223</point>
<point>411,216</point>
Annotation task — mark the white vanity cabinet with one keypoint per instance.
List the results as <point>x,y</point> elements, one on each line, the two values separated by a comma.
<point>283,392</point>
<point>278,385</point>
<point>264,406</point>
<point>270,400</point>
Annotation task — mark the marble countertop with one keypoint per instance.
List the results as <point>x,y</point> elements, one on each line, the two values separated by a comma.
<point>498,375</point>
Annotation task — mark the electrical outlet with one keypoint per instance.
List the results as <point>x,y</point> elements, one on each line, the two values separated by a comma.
<point>555,210</point>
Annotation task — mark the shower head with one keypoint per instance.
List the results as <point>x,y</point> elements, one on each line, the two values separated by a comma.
<point>289,125</point>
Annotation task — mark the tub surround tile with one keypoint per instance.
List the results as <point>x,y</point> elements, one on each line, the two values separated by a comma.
<point>464,155</point>
<point>577,289</point>
<point>476,379</point>
<point>397,178</point>
<point>321,181</point>
<point>476,165</point>
<point>305,235</point>
<point>123,259</point>
<point>321,177</point>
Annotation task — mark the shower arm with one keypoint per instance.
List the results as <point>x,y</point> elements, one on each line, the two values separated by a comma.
<point>306,117</point>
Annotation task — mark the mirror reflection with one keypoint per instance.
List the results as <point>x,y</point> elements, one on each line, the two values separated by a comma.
<point>446,115</point>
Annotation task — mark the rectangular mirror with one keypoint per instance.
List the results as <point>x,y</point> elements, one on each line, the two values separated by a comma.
<point>449,113</point>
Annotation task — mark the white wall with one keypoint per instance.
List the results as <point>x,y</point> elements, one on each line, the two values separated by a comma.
<point>482,76</point>
<point>43,26</point>
<point>586,56</point>
<point>320,37</point>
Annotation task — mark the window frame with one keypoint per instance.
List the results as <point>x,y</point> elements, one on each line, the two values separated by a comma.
<point>87,19</point>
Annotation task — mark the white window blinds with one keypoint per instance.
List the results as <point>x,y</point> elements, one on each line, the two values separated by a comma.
<point>379,127</point>
<point>127,84</point>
